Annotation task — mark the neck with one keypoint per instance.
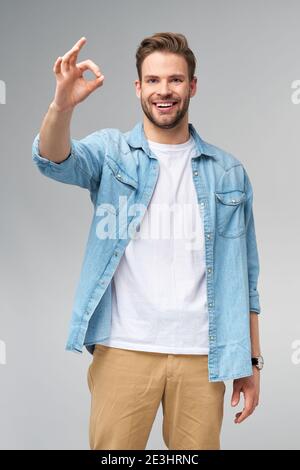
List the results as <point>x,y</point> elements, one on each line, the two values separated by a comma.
<point>177,135</point>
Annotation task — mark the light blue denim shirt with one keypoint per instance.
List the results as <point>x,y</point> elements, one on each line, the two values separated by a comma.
<point>120,170</point>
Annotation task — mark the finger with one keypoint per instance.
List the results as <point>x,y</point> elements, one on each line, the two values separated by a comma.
<point>243,415</point>
<point>247,411</point>
<point>57,64</point>
<point>89,65</point>
<point>73,57</point>
<point>66,60</point>
<point>74,50</point>
<point>80,42</point>
<point>77,47</point>
<point>93,84</point>
<point>235,397</point>
<point>64,64</point>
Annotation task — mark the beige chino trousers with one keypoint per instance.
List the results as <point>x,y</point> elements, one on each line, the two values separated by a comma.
<point>127,388</point>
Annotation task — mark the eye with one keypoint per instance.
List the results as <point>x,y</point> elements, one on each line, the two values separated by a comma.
<point>154,79</point>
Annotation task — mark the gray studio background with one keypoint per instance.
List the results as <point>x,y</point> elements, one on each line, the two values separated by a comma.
<point>248,58</point>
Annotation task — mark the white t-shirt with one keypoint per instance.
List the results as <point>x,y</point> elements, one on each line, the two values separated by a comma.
<point>159,299</point>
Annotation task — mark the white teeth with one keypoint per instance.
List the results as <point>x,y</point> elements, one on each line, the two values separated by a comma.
<point>164,105</point>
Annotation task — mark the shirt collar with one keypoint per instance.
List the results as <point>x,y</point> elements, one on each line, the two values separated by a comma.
<point>136,138</point>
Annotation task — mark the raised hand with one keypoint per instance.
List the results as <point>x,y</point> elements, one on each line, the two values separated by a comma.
<point>71,86</point>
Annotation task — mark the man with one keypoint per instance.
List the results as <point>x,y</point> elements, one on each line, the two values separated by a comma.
<point>167,318</point>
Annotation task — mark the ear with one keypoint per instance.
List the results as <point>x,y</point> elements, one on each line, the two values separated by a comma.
<point>193,85</point>
<point>137,84</point>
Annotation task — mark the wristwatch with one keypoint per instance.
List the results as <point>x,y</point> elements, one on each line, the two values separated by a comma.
<point>258,362</point>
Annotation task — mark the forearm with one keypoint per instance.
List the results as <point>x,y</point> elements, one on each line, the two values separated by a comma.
<point>254,334</point>
<point>54,142</point>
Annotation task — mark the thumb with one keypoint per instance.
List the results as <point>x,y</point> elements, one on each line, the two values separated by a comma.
<point>235,397</point>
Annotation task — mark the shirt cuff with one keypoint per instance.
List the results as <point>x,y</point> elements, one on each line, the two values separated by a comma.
<point>43,161</point>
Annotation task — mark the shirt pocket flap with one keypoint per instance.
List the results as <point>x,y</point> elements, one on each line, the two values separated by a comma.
<point>231,198</point>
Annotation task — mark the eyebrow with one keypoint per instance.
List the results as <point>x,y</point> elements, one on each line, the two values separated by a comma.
<point>178,75</point>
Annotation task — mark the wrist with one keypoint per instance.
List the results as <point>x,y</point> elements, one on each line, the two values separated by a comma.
<point>54,107</point>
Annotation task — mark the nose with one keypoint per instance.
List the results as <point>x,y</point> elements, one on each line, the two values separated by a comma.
<point>164,88</point>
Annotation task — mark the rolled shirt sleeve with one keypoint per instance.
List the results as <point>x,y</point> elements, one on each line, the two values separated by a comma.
<point>252,250</point>
<point>82,167</point>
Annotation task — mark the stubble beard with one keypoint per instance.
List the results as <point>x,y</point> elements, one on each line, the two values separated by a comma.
<point>170,124</point>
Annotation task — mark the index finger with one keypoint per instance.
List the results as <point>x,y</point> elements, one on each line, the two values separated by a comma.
<point>248,409</point>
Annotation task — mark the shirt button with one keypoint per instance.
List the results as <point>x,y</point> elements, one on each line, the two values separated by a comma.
<point>209,270</point>
<point>116,253</point>
<point>212,338</point>
<point>208,236</point>
<point>210,304</point>
<point>202,204</point>
<point>196,173</point>
<point>119,176</point>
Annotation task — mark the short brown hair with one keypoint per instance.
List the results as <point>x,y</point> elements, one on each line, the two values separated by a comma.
<point>168,42</point>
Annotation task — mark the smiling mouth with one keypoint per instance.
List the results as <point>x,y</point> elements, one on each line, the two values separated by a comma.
<point>165,107</point>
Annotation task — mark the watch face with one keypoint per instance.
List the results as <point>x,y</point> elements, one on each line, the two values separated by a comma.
<point>260,362</point>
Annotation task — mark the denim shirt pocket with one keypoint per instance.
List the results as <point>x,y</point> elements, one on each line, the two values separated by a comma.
<point>230,213</point>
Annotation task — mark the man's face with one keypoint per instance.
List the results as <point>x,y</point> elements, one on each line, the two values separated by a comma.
<point>165,80</point>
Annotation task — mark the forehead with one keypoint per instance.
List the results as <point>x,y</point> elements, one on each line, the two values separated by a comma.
<point>164,64</point>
